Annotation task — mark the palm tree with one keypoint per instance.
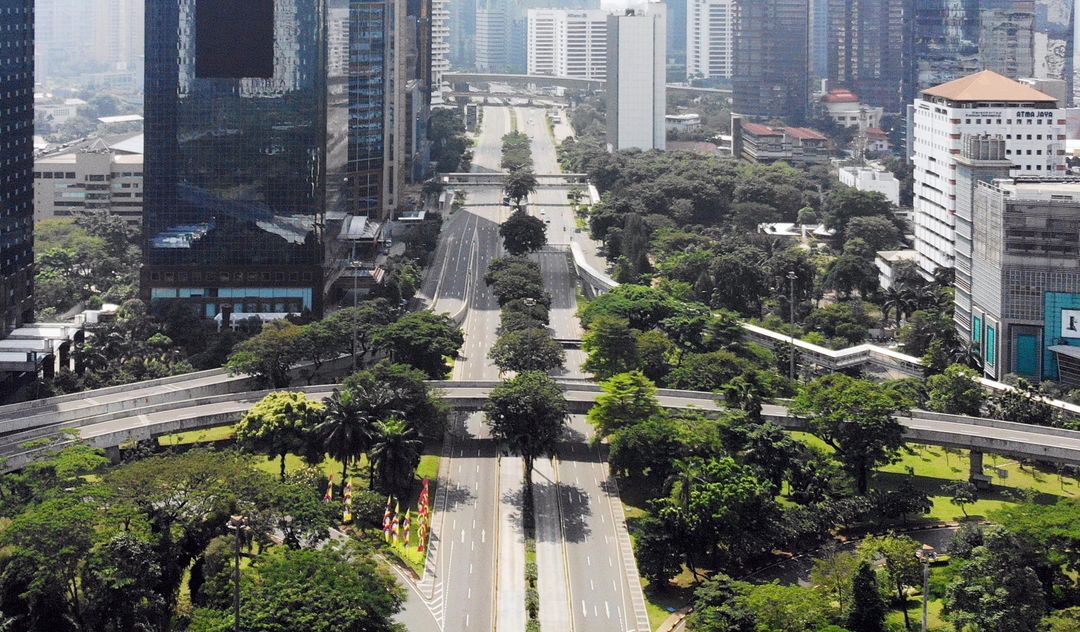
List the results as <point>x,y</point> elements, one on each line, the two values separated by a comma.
<point>746,395</point>
<point>897,301</point>
<point>348,429</point>
<point>395,454</point>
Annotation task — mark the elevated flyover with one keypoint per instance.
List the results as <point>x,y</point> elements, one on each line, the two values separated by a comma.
<point>112,429</point>
<point>497,179</point>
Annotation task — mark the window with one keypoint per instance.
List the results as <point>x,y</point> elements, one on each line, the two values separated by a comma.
<point>991,346</point>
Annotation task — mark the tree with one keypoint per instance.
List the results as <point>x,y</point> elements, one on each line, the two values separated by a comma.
<point>897,301</point>
<point>654,350</point>
<point>628,399</point>
<point>879,232</point>
<point>957,391</point>
<point>867,613</point>
<point>365,319</point>
<point>843,204</point>
<point>656,551</point>
<point>1022,404</point>
<point>961,494</point>
<point>423,339</point>
<point>648,449</point>
<point>321,590</point>
<point>527,350</point>
<point>347,429</point>
<point>269,355</point>
<point>779,608</point>
<point>395,453</point>
<point>995,589</point>
<point>902,567</point>
<point>717,607</point>
<point>522,233</point>
<point>529,413</point>
<point>610,345</point>
<point>834,571</point>
<point>519,183</point>
<point>282,423</point>
<point>317,343</point>
<point>118,581</point>
<point>856,418</point>
<point>924,327</point>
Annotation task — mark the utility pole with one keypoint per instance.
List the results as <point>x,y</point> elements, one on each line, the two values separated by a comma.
<point>791,276</point>
<point>352,266</point>
<point>236,524</point>
<point>926,555</point>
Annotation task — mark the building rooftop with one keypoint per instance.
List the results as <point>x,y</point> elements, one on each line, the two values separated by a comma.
<point>697,147</point>
<point>122,118</point>
<point>1058,189</point>
<point>804,133</point>
<point>988,86</point>
<point>840,95</point>
<point>130,143</point>
<point>757,129</point>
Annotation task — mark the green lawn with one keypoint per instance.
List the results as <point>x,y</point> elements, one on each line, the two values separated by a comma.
<point>934,620</point>
<point>933,466</point>
<point>204,435</point>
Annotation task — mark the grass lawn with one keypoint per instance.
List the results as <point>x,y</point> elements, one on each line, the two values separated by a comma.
<point>933,466</point>
<point>203,435</point>
<point>934,620</point>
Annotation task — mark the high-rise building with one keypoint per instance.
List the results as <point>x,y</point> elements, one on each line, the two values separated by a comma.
<point>61,42</point>
<point>984,103</point>
<point>676,38</point>
<point>568,43</point>
<point>492,37</point>
<point>462,21</point>
<point>440,40</point>
<point>17,167</point>
<point>818,45</point>
<point>637,78</point>
<point>1006,42</point>
<point>771,64</point>
<point>710,39</point>
<point>118,32</point>
<point>258,148</point>
<point>867,50</point>
<point>1055,40</point>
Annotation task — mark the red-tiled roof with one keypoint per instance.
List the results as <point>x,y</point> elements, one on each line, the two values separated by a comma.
<point>804,133</point>
<point>840,96</point>
<point>757,129</point>
<point>875,132</point>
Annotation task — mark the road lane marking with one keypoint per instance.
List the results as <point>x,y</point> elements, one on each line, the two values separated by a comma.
<point>607,609</point>
<point>584,612</point>
<point>588,560</point>
<point>463,536</point>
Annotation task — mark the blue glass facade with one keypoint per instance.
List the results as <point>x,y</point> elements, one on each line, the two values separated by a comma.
<point>247,179</point>
<point>16,167</point>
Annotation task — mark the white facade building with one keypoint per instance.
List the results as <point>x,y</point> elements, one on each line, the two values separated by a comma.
<point>637,78</point>
<point>985,103</point>
<point>94,177</point>
<point>710,38</point>
<point>567,43</point>
<point>440,41</point>
<point>866,179</point>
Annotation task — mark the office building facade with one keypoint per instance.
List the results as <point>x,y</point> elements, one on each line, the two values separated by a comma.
<point>637,78</point>
<point>770,72</point>
<point>259,147</point>
<point>1007,42</point>
<point>985,103</point>
<point>567,43</point>
<point>868,52</point>
<point>99,176</point>
<point>1026,278</point>
<point>492,37</point>
<point>16,170</point>
<point>440,40</point>
<point>710,39</point>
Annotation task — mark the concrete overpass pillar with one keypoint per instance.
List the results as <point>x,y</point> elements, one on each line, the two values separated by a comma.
<point>976,476</point>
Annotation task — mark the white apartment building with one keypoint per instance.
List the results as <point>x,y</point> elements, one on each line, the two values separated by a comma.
<point>440,41</point>
<point>985,103</point>
<point>567,43</point>
<point>637,78</point>
<point>96,176</point>
<point>710,38</point>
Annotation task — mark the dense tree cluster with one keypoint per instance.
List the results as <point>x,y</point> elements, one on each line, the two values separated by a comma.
<point>525,343</point>
<point>110,550</point>
<point>449,145</point>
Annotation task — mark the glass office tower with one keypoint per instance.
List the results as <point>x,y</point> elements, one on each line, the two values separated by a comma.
<point>264,131</point>
<point>16,168</point>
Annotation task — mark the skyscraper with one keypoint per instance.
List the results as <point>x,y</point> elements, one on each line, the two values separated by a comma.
<point>568,43</point>
<point>677,38</point>
<point>867,51</point>
<point>258,148</point>
<point>710,39</point>
<point>440,40</point>
<point>637,78</point>
<point>770,73</point>
<point>16,169</point>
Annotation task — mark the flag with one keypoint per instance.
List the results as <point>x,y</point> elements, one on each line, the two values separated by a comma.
<point>395,526</point>
<point>386,520</point>
<point>329,490</point>
<point>421,534</point>
<point>405,529</point>
<point>347,516</point>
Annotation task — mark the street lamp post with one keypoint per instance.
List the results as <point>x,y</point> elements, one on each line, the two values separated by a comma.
<point>236,524</point>
<point>352,264</point>
<point>926,555</point>
<point>791,276</point>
